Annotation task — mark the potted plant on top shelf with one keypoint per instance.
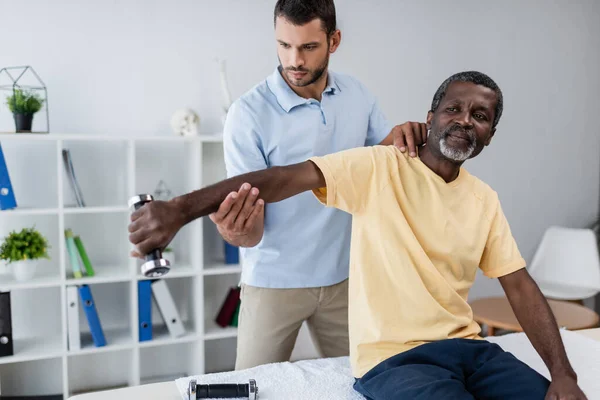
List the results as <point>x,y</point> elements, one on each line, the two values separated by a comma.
<point>24,105</point>
<point>22,250</point>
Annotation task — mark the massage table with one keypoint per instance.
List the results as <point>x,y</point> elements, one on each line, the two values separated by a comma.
<point>331,379</point>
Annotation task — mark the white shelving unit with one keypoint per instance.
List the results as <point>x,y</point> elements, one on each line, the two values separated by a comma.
<point>109,170</point>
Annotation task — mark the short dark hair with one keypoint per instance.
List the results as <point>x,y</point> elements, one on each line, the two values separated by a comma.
<point>477,78</point>
<point>300,12</point>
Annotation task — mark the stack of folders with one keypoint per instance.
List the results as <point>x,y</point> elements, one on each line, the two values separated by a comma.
<point>77,253</point>
<point>68,164</point>
<point>166,306</point>
<point>74,295</point>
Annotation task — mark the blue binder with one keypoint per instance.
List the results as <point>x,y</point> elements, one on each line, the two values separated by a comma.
<point>89,307</point>
<point>232,254</point>
<point>7,197</point>
<point>145,310</point>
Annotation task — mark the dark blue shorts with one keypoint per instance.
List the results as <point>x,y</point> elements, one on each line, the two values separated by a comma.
<point>453,369</point>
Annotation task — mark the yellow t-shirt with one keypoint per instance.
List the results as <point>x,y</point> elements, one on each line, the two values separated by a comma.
<point>417,242</point>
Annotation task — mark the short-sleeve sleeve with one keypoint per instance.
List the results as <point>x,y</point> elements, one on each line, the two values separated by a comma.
<point>501,255</point>
<point>352,176</point>
<point>379,126</point>
<point>242,144</point>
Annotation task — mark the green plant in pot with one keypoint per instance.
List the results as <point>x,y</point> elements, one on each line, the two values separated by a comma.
<point>22,250</point>
<point>24,105</point>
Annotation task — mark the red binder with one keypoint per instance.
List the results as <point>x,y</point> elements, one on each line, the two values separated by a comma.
<point>227,310</point>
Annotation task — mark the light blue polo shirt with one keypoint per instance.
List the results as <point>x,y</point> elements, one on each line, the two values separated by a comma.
<point>304,244</point>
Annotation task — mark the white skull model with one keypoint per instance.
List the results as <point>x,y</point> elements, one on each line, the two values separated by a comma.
<point>185,122</point>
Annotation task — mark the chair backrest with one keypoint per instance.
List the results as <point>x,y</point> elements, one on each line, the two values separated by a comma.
<point>566,264</point>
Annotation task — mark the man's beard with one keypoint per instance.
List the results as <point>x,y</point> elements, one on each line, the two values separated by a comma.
<point>311,75</point>
<point>454,153</point>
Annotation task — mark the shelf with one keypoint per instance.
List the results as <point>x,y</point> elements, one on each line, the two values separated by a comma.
<point>114,312</point>
<point>214,331</point>
<point>40,280</point>
<point>33,173</point>
<point>178,360</point>
<point>222,269</point>
<point>36,379</point>
<point>36,324</point>
<point>100,170</point>
<point>211,138</point>
<point>99,371</point>
<point>182,291</point>
<point>162,337</point>
<point>103,274</point>
<point>95,210</point>
<point>41,137</point>
<point>110,169</point>
<point>47,271</point>
<point>105,238</point>
<point>216,290</point>
<point>178,271</point>
<point>173,167</point>
<point>217,138</point>
<point>116,339</point>
<point>35,348</point>
<point>219,355</point>
<point>29,211</point>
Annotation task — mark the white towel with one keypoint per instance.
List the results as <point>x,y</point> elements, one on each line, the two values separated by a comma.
<point>326,378</point>
<point>331,378</point>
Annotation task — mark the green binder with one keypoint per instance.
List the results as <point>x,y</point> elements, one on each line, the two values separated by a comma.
<point>89,270</point>
<point>236,314</point>
<point>72,251</point>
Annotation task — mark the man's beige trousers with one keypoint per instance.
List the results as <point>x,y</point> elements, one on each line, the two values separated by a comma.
<point>270,319</point>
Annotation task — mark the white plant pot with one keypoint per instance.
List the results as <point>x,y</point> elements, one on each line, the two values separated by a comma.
<point>23,270</point>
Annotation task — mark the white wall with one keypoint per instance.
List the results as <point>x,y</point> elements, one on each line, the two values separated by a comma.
<point>123,67</point>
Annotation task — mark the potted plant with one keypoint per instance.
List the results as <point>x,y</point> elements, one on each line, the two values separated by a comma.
<point>21,250</point>
<point>24,105</point>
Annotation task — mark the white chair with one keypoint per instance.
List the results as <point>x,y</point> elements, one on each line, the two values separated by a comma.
<point>566,265</point>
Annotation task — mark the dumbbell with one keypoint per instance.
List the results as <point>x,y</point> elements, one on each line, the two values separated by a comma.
<point>155,264</point>
<point>223,390</point>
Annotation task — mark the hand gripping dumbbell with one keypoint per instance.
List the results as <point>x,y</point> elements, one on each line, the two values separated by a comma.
<point>223,390</point>
<point>155,264</point>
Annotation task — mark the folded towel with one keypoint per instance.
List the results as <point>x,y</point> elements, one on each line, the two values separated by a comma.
<point>325,378</point>
<point>331,378</point>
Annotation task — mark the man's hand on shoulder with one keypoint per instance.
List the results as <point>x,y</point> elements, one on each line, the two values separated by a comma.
<point>408,136</point>
<point>564,388</point>
<point>240,217</point>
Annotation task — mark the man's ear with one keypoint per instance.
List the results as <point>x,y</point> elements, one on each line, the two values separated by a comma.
<point>489,139</point>
<point>429,119</point>
<point>334,40</point>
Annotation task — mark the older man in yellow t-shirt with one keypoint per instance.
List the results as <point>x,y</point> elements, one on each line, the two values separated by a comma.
<point>421,228</point>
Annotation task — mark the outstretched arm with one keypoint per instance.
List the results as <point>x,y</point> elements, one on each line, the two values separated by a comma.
<point>538,323</point>
<point>155,224</point>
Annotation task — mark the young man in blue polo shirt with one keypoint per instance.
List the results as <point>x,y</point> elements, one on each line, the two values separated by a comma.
<point>301,110</point>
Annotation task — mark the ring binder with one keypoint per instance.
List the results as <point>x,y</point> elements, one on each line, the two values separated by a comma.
<point>6,339</point>
<point>7,196</point>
